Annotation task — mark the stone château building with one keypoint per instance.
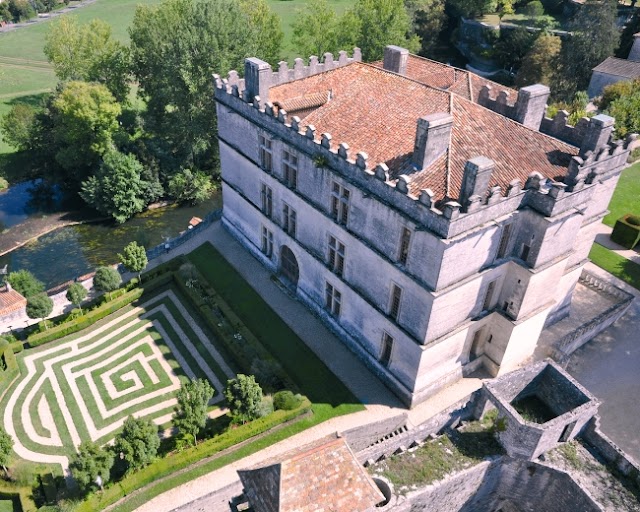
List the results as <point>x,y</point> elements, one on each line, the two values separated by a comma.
<point>435,220</point>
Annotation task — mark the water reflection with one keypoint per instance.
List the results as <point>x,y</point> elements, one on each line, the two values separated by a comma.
<point>26,199</point>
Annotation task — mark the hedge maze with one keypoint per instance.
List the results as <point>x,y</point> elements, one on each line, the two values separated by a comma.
<point>83,388</point>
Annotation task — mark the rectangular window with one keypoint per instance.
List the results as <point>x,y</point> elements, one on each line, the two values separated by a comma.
<point>289,219</point>
<point>504,241</point>
<point>333,300</point>
<point>524,256</point>
<point>290,164</point>
<point>394,305</point>
<point>336,255</point>
<point>267,242</point>
<point>488,296</point>
<point>266,158</point>
<point>405,240</point>
<point>266,195</point>
<point>340,203</point>
<point>387,348</point>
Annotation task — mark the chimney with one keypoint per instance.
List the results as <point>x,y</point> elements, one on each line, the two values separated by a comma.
<point>634,54</point>
<point>395,59</point>
<point>598,133</point>
<point>476,178</point>
<point>433,136</point>
<point>531,105</point>
<point>257,78</point>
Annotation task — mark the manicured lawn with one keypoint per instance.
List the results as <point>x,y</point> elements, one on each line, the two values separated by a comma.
<point>626,198</point>
<point>620,267</point>
<point>328,394</point>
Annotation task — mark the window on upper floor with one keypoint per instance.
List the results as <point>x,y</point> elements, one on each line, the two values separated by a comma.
<point>405,242</point>
<point>266,196</point>
<point>386,349</point>
<point>290,170</point>
<point>336,255</point>
<point>267,242</point>
<point>394,301</point>
<point>333,299</point>
<point>266,155</point>
<point>488,296</point>
<point>340,203</point>
<point>289,219</point>
<point>504,241</point>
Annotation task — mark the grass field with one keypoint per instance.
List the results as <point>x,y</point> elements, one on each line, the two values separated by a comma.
<point>25,71</point>
<point>620,267</point>
<point>626,198</point>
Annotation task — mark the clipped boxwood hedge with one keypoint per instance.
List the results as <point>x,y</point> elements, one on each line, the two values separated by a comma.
<point>91,317</point>
<point>6,376</point>
<point>626,231</point>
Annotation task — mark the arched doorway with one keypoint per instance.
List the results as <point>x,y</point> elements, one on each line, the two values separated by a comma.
<point>289,265</point>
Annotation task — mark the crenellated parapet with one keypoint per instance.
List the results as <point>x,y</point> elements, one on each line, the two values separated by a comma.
<point>528,108</point>
<point>478,203</point>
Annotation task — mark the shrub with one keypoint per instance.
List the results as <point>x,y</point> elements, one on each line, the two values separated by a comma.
<point>3,183</point>
<point>286,400</point>
<point>626,231</point>
<point>634,155</point>
<point>25,283</point>
<point>266,406</point>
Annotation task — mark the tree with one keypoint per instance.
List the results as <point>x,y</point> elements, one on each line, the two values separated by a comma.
<point>39,306</point>
<point>473,8</point>
<point>243,395</point>
<point>191,413</point>
<point>195,37</point>
<point>138,442</point>
<point>512,47</point>
<point>134,257</point>
<point>88,53</point>
<point>594,37</point>
<point>106,279</point>
<point>378,23</point>
<point>623,103</point>
<point>627,39</point>
<point>534,9</point>
<point>117,189</point>
<point>16,126</point>
<point>83,121</point>
<point>25,283</point>
<point>427,18</point>
<point>21,10</point>
<point>90,462</point>
<point>315,30</point>
<point>6,444</point>
<point>76,293</point>
<point>541,62</point>
<point>188,186</point>
<point>504,7</point>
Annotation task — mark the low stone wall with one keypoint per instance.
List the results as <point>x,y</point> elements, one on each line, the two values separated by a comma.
<point>361,438</point>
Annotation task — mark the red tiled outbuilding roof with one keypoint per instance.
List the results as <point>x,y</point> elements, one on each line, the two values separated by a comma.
<point>10,301</point>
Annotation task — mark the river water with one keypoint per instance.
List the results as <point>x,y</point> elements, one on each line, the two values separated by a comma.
<point>72,251</point>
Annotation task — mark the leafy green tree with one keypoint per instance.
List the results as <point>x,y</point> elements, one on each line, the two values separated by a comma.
<point>90,462</point>
<point>25,283</point>
<point>39,306</point>
<point>427,18</point>
<point>6,444</point>
<point>191,412</point>
<point>196,37</point>
<point>622,101</point>
<point>16,126</point>
<point>107,279</point>
<point>193,187</point>
<point>134,257</point>
<point>378,23</point>
<point>595,36</point>
<point>315,30</point>
<point>473,8</point>
<point>512,47</point>
<point>504,7</point>
<point>533,8</point>
<point>117,189</point>
<point>540,63</point>
<point>21,10</point>
<point>83,119</point>
<point>76,293</point>
<point>88,53</point>
<point>244,396</point>
<point>138,443</point>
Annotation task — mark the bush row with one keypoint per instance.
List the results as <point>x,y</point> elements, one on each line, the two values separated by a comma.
<point>11,370</point>
<point>175,462</point>
<point>91,317</point>
<point>249,355</point>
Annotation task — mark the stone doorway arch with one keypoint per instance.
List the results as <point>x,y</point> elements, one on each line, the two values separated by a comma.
<point>289,265</point>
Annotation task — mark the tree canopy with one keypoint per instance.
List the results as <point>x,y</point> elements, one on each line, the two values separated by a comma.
<point>622,101</point>
<point>90,462</point>
<point>244,396</point>
<point>76,293</point>
<point>191,412</point>
<point>134,257</point>
<point>39,306</point>
<point>138,442</point>
<point>16,126</point>
<point>427,19</point>
<point>192,187</point>
<point>106,279</point>
<point>6,444</point>
<point>541,62</point>
<point>25,283</point>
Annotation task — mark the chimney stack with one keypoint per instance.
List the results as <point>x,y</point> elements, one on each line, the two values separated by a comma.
<point>598,134</point>
<point>395,59</point>
<point>257,78</point>
<point>476,179</point>
<point>531,105</point>
<point>634,54</point>
<point>433,135</point>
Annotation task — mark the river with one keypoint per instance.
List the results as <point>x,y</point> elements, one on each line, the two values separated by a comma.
<point>69,252</point>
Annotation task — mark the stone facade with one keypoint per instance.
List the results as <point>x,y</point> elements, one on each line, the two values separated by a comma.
<point>424,285</point>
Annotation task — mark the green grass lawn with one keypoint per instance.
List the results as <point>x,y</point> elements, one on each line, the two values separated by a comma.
<point>620,267</point>
<point>626,198</point>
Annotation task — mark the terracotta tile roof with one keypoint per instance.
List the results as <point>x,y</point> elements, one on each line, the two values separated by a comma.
<point>619,67</point>
<point>11,301</point>
<point>323,476</point>
<point>376,111</point>
<point>304,103</point>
